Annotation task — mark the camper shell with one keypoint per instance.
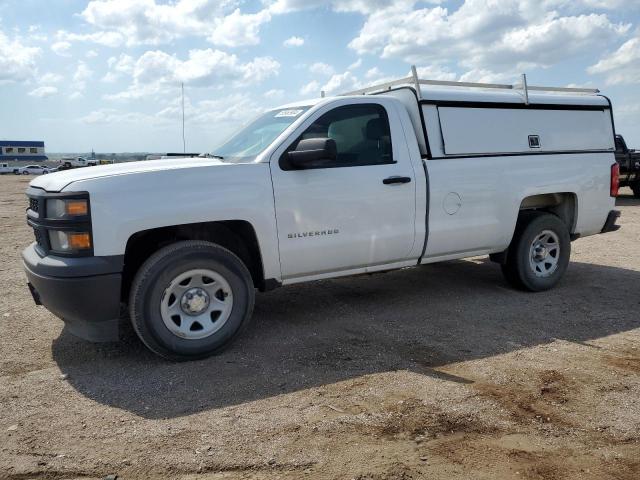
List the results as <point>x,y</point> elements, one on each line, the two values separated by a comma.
<point>462,119</point>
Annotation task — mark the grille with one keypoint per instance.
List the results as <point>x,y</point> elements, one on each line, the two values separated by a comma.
<point>40,238</point>
<point>33,204</point>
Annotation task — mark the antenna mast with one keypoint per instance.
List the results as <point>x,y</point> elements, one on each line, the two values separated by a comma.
<point>184,143</point>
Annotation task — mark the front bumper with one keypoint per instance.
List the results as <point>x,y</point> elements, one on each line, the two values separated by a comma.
<point>83,292</point>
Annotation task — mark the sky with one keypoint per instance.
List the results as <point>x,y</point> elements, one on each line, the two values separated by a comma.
<point>106,74</point>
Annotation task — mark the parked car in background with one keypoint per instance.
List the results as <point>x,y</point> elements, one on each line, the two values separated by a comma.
<point>5,168</point>
<point>629,162</point>
<point>32,170</point>
<point>67,163</point>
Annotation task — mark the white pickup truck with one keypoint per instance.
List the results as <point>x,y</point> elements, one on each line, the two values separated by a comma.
<point>394,176</point>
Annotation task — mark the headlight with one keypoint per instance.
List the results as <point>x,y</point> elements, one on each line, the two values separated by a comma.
<point>67,241</point>
<point>72,208</point>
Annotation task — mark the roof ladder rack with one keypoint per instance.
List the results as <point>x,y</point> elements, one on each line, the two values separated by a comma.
<point>416,82</point>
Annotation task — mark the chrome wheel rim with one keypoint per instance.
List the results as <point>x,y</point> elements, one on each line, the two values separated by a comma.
<point>544,254</point>
<point>196,304</point>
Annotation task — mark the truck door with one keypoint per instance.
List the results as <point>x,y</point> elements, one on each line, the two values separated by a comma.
<point>355,211</point>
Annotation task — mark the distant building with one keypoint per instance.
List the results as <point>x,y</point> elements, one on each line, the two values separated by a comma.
<point>22,150</point>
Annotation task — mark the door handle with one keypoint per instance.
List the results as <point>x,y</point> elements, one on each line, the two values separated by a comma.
<point>395,179</point>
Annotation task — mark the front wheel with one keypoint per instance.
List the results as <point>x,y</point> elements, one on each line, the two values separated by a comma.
<point>25,173</point>
<point>190,300</point>
<point>539,252</point>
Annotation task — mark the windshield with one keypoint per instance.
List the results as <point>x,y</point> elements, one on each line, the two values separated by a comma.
<point>249,142</point>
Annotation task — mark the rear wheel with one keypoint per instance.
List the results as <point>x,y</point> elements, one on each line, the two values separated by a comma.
<point>539,252</point>
<point>190,300</point>
<point>636,189</point>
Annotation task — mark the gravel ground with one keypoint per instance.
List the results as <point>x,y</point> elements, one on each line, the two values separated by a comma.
<point>434,372</point>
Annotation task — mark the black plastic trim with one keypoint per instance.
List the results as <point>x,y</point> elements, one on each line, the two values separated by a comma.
<point>396,180</point>
<point>613,122</point>
<point>426,215</point>
<point>271,284</point>
<point>522,154</point>
<point>89,305</point>
<point>40,223</point>
<point>610,224</point>
<point>70,267</point>
<point>422,120</point>
<point>512,106</point>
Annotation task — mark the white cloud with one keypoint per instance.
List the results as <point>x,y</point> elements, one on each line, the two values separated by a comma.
<point>148,22</point>
<point>82,74</point>
<point>17,61</point>
<point>118,66</point>
<point>622,66</point>
<point>481,75</point>
<point>484,34</point>
<point>373,73</point>
<point>104,38</point>
<point>434,72</point>
<point>311,89</point>
<point>341,82</point>
<point>61,48</point>
<point>45,91</point>
<point>155,71</point>
<point>274,94</point>
<point>238,29</point>
<point>355,65</point>
<point>293,42</point>
<point>105,116</point>
<point>36,35</point>
<point>361,6</point>
<point>50,77</point>
<point>79,80</point>
<point>233,108</point>
<point>320,68</point>
<point>91,54</point>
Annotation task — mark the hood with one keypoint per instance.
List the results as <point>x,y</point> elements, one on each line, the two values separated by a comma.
<point>55,182</point>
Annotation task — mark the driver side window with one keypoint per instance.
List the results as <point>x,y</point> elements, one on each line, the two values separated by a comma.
<point>361,133</point>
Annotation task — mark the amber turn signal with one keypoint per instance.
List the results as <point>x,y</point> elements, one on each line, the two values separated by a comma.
<point>79,241</point>
<point>77,207</point>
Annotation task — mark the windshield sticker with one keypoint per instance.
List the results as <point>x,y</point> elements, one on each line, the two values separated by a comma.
<point>288,113</point>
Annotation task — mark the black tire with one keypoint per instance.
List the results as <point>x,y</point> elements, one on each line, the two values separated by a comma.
<point>636,189</point>
<point>155,275</point>
<point>517,269</point>
<point>25,172</point>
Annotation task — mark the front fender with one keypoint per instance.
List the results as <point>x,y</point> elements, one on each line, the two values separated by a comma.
<point>123,205</point>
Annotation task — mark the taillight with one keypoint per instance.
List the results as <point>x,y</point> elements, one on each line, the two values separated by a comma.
<point>615,180</point>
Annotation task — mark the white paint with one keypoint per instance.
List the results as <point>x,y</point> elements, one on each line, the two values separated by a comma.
<point>375,221</point>
<point>472,202</point>
<point>482,131</point>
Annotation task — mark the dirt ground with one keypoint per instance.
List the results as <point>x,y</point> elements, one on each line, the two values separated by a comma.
<point>438,372</point>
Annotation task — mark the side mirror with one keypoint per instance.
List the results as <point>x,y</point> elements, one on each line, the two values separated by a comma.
<point>313,153</point>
